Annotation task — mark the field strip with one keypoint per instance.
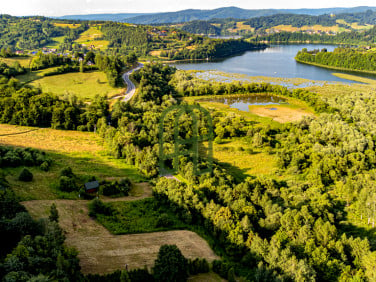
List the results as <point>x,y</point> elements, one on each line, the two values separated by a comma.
<point>102,252</point>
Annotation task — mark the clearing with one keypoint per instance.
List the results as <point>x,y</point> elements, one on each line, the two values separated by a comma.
<point>91,37</point>
<point>84,85</point>
<point>102,252</point>
<point>280,113</point>
<point>24,61</point>
<point>82,151</point>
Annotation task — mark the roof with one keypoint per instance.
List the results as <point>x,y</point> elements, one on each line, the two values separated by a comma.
<point>92,185</point>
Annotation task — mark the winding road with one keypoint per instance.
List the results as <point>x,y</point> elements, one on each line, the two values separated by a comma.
<point>131,88</point>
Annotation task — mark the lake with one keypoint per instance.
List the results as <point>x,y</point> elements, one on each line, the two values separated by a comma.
<point>274,61</point>
<point>242,102</point>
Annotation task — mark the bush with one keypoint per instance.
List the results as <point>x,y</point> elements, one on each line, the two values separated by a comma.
<point>164,220</point>
<point>45,166</point>
<point>98,207</point>
<point>115,188</point>
<point>67,184</point>
<point>67,171</point>
<point>25,175</point>
<point>198,266</point>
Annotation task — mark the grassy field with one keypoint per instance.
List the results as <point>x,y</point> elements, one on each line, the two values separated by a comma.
<point>83,85</point>
<point>88,38</point>
<point>56,42</point>
<point>24,61</point>
<point>81,151</point>
<point>281,113</point>
<point>234,156</point>
<point>102,252</point>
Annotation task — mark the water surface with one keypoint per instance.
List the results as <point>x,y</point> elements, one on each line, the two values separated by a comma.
<point>242,102</point>
<point>274,61</point>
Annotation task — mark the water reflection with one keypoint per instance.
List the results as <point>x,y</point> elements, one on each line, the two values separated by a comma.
<point>242,102</point>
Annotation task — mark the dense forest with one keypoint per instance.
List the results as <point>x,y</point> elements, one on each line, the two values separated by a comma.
<point>353,37</point>
<point>290,19</point>
<point>31,32</point>
<point>344,58</point>
<point>201,27</point>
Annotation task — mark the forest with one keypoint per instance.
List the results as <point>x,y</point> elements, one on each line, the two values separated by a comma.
<point>344,58</point>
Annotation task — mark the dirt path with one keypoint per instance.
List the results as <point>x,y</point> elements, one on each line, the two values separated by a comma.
<point>101,252</point>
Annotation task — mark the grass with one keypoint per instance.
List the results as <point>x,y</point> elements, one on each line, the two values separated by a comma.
<point>82,151</point>
<point>34,75</point>
<point>101,252</point>
<point>90,36</point>
<point>142,216</point>
<point>24,61</point>
<point>56,41</point>
<point>84,85</point>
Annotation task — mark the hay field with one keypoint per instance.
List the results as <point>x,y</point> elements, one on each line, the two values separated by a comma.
<point>102,252</point>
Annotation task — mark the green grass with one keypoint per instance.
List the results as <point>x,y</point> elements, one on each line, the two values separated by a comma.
<point>142,216</point>
<point>83,85</point>
<point>82,151</point>
<point>24,61</point>
<point>88,38</point>
<point>34,75</point>
<point>56,42</point>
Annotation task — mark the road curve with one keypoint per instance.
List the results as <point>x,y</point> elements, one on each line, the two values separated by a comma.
<point>131,88</point>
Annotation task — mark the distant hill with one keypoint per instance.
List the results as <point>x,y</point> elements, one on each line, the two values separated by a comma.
<point>234,12</point>
<point>102,17</point>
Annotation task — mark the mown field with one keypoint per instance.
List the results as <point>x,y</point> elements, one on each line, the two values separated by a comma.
<point>24,61</point>
<point>102,252</point>
<point>82,151</point>
<point>84,85</point>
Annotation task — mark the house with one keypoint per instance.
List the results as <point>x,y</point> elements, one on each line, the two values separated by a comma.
<point>91,187</point>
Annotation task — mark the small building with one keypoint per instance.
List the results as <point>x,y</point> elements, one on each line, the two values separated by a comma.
<point>91,187</point>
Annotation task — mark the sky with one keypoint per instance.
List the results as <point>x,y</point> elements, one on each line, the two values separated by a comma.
<point>71,7</point>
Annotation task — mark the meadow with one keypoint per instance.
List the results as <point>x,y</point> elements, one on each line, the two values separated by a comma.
<point>84,85</point>
<point>92,37</point>
<point>82,151</point>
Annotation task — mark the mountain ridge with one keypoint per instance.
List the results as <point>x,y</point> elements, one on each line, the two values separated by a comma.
<point>220,13</point>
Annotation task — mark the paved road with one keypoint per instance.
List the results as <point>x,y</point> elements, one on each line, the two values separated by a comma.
<point>131,88</point>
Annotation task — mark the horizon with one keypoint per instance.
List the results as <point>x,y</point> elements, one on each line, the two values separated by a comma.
<point>60,8</point>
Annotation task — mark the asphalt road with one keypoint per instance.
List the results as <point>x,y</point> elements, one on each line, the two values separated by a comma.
<point>131,88</point>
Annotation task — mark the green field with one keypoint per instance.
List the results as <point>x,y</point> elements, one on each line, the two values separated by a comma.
<point>83,85</point>
<point>82,151</point>
<point>24,61</point>
<point>90,36</point>
<point>56,42</point>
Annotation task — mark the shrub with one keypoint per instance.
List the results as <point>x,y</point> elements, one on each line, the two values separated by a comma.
<point>67,171</point>
<point>164,220</point>
<point>96,206</point>
<point>67,184</point>
<point>25,175</point>
<point>45,166</point>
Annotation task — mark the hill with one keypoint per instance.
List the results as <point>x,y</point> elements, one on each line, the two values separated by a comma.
<point>233,12</point>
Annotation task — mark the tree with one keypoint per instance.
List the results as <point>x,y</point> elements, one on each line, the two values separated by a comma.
<point>54,214</point>
<point>170,265</point>
<point>25,175</point>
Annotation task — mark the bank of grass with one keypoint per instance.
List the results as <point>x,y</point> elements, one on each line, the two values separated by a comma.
<point>31,76</point>
<point>82,151</point>
<point>141,216</point>
<point>84,85</point>
<point>73,25</point>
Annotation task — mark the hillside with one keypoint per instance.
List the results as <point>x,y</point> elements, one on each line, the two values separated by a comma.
<point>233,12</point>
